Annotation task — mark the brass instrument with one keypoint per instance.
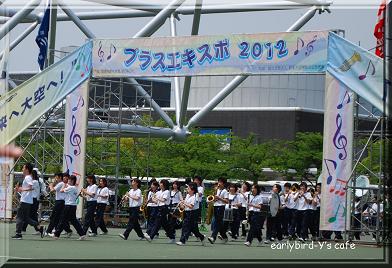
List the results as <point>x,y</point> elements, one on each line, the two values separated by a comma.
<point>210,208</point>
<point>144,205</point>
<point>293,189</point>
<point>180,210</point>
<point>124,200</point>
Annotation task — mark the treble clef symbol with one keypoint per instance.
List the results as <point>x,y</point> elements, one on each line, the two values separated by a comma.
<point>101,53</point>
<point>339,140</point>
<point>75,138</point>
<point>310,47</point>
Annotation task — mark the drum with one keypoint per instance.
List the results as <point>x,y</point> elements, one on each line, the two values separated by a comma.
<point>228,215</point>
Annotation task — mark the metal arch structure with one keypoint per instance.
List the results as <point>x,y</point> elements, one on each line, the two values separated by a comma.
<point>178,129</point>
<point>51,127</point>
<point>160,13</point>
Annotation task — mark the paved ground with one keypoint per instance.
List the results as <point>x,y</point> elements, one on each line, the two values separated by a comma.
<point>111,247</point>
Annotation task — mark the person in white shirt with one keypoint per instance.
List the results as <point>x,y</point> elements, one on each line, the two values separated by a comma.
<point>235,202</point>
<point>199,194</point>
<point>69,215</point>
<point>175,198</point>
<point>34,207</point>
<point>245,194</point>
<point>190,205</point>
<point>134,195</point>
<point>162,199</point>
<point>286,211</point>
<point>316,217</point>
<point>221,198</point>
<point>312,213</point>
<point>255,203</point>
<point>102,202</point>
<point>26,201</point>
<point>58,208</point>
<point>292,204</point>
<point>304,200</point>
<point>152,207</point>
<point>90,194</point>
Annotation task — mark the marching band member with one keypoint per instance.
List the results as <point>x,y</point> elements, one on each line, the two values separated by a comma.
<point>26,201</point>
<point>254,205</point>
<point>292,205</point>
<point>304,199</point>
<point>274,223</point>
<point>34,207</point>
<point>235,203</point>
<point>162,199</point>
<point>199,194</point>
<point>152,207</point>
<point>220,200</point>
<point>90,195</point>
<point>102,202</point>
<point>59,204</point>
<point>175,198</point>
<point>245,193</point>
<point>69,213</point>
<point>286,210</point>
<point>135,200</point>
<point>190,216</point>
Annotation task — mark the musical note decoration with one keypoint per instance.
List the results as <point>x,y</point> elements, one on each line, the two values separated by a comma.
<point>340,140</point>
<point>310,46</point>
<point>370,64</point>
<point>299,39</point>
<point>346,98</point>
<point>347,64</point>
<point>101,53</point>
<point>339,188</point>
<point>114,52</point>
<point>330,177</point>
<point>75,139</point>
<point>334,218</point>
<point>81,102</point>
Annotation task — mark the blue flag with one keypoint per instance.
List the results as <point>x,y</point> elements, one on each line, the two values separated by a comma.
<point>42,39</point>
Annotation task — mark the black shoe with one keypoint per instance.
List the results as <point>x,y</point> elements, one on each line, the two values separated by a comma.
<point>41,231</point>
<point>17,237</point>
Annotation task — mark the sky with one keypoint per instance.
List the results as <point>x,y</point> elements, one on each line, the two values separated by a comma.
<point>357,20</point>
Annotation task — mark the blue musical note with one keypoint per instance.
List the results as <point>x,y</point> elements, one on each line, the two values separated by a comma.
<point>80,100</point>
<point>75,139</point>
<point>339,140</point>
<point>345,97</point>
<point>329,179</point>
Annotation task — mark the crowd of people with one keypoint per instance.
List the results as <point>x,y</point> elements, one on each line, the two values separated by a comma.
<point>236,211</point>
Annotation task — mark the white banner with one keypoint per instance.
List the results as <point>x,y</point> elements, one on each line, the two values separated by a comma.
<point>25,104</point>
<point>6,181</point>
<point>232,54</point>
<point>75,135</point>
<point>337,155</point>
